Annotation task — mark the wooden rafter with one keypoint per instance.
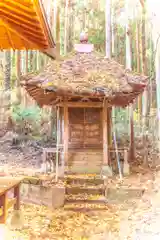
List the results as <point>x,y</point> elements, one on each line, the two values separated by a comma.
<point>30,41</point>
<point>81,104</point>
<point>27,20</point>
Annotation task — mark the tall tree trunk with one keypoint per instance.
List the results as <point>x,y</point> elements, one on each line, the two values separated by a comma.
<point>31,60</point>
<point>18,60</point>
<point>58,30</point>
<point>66,27</point>
<point>156,42</point>
<point>7,85</point>
<point>18,90</point>
<point>129,66</point>
<point>39,62</point>
<point>113,33</point>
<point>26,63</point>
<point>71,29</point>
<point>7,70</point>
<point>128,42</point>
<point>26,71</point>
<point>144,60</point>
<point>138,53</point>
<point>108,28</point>
<point>23,62</point>
<point>145,105</point>
<point>157,66</point>
<point>107,55</point>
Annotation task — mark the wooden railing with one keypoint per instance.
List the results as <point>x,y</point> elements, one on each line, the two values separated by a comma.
<point>123,152</point>
<point>52,161</point>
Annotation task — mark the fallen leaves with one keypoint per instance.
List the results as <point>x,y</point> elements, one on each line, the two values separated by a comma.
<point>83,225</point>
<point>42,223</point>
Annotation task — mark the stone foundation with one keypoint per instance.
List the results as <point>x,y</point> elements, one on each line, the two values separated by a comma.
<point>48,196</point>
<point>120,195</point>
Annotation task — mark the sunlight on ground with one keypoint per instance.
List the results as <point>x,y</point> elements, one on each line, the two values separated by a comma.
<point>6,234</point>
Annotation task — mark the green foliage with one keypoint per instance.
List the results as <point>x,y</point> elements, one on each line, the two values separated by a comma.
<point>98,39</point>
<point>20,113</point>
<point>30,120</point>
<point>121,122</point>
<point>121,114</point>
<point>26,120</point>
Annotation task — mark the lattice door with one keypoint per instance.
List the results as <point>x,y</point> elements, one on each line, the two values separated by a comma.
<point>85,127</point>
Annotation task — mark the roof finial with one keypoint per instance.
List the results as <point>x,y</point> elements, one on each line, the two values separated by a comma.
<point>83,37</point>
<point>84,46</point>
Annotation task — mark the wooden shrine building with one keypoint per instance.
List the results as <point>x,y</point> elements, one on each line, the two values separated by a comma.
<point>83,88</point>
<point>24,26</point>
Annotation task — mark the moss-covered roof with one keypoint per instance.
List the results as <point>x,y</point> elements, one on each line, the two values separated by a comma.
<point>85,75</point>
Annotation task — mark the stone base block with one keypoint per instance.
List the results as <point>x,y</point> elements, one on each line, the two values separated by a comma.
<point>48,196</point>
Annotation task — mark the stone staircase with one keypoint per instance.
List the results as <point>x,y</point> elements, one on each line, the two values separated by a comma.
<point>85,193</point>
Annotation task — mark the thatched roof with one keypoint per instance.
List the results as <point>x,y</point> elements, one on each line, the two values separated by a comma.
<point>85,75</point>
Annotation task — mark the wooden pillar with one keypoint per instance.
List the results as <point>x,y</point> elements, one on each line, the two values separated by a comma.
<point>66,122</point>
<point>57,145</point>
<point>61,125</point>
<point>17,196</point>
<point>109,131</point>
<point>105,135</point>
<point>52,121</point>
<point>109,124</point>
<point>132,144</point>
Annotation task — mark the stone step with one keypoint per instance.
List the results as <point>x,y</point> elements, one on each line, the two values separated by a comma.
<point>82,175</point>
<point>80,162</point>
<point>81,170</point>
<point>85,207</point>
<point>102,201</point>
<point>81,181</point>
<point>88,190</point>
<point>85,197</point>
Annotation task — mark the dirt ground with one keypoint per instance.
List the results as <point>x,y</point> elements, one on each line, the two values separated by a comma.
<point>134,218</point>
<point>23,156</point>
